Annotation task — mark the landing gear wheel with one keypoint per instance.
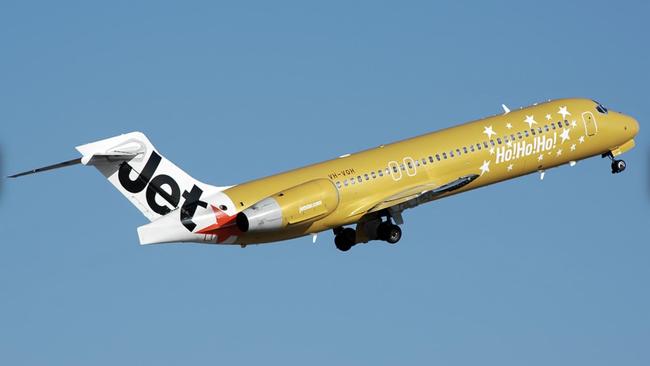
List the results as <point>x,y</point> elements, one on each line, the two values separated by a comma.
<point>389,232</point>
<point>618,166</point>
<point>345,239</point>
<point>394,234</point>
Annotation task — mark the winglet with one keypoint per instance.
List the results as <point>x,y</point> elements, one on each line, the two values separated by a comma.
<point>506,110</point>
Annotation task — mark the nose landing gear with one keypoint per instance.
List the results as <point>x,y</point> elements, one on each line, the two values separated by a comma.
<point>617,165</point>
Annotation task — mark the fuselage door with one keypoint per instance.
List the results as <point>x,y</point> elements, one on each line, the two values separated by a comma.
<point>591,128</point>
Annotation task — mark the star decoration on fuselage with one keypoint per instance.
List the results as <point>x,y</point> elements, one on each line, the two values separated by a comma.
<point>489,131</point>
<point>531,121</point>
<point>564,112</point>
<point>485,167</point>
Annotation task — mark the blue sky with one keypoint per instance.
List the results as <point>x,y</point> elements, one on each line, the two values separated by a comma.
<point>524,272</point>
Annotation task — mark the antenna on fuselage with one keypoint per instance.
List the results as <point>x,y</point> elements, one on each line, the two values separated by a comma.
<point>506,110</point>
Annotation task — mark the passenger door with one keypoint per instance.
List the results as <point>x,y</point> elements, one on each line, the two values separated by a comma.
<point>591,128</point>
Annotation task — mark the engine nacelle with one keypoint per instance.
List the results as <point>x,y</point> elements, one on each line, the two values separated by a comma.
<point>303,203</point>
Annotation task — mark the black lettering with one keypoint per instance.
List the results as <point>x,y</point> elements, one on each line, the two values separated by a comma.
<point>137,185</point>
<point>192,201</point>
<point>155,188</point>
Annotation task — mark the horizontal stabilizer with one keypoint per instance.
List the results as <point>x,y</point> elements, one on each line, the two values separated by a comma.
<point>86,160</point>
<point>49,167</point>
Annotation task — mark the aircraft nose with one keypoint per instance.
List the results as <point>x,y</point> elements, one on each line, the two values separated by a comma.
<point>633,126</point>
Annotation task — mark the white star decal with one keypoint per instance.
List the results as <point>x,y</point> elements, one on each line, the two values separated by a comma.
<point>489,132</point>
<point>565,135</point>
<point>492,151</point>
<point>530,120</point>
<point>540,157</point>
<point>508,125</point>
<point>564,112</point>
<point>485,167</point>
<point>581,139</point>
<point>573,147</point>
<point>574,124</point>
<point>548,117</point>
<point>559,152</point>
<point>510,167</point>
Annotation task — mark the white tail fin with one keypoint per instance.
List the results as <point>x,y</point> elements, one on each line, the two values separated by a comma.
<point>152,183</point>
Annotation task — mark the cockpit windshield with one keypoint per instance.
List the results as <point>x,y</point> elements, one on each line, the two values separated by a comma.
<point>600,108</point>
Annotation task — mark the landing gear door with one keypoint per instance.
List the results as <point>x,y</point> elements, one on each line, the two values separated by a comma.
<point>591,128</point>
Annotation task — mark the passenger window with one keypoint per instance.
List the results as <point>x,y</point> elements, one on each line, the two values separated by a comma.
<point>505,139</point>
<point>444,155</point>
<point>451,153</point>
<point>338,185</point>
<point>519,135</point>
<point>402,167</point>
<point>458,152</point>
<point>431,159</point>
<point>394,169</point>
<point>492,142</point>
<point>553,125</point>
<point>478,146</point>
<point>566,123</point>
<point>485,144</point>
<point>352,181</point>
<point>366,176</point>
<point>512,137</point>
<point>546,128</point>
<point>345,182</point>
<point>471,148</point>
<point>409,164</point>
<point>438,157</point>
<point>359,179</point>
<point>464,149</point>
<point>533,131</point>
<point>373,175</point>
<point>417,162</point>
<point>539,129</point>
<point>381,173</point>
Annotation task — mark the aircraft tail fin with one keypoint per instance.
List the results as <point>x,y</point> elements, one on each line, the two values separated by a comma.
<point>132,164</point>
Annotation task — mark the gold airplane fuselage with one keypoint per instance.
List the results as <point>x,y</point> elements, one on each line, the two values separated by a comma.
<point>494,149</point>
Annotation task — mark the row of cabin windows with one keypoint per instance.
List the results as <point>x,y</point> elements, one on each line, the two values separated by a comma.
<point>443,156</point>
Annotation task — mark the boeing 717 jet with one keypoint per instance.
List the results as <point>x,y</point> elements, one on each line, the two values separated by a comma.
<point>359,196</point>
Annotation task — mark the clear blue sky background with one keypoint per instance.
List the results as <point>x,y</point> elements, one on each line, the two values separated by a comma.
<point>521,273</point>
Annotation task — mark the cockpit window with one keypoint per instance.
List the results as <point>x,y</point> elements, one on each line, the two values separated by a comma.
<point>600,108</point>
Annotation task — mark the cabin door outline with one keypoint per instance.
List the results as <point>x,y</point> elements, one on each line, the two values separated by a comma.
<point>591,127</point>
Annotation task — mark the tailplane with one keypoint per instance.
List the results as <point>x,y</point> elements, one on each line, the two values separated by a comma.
<point>132,164</point>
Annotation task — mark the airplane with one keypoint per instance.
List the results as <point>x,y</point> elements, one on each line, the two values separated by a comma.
<point>359,196</point>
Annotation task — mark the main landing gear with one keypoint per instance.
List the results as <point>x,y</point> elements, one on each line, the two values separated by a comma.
<point>617,165</point>
<point>386,231</point>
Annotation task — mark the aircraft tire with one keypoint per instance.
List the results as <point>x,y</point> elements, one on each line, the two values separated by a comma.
<point>345,239</point>
<point>618,166</point>
<point>394,234</point>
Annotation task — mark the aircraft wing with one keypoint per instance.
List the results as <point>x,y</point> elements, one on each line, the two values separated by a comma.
<point>414,196</point>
